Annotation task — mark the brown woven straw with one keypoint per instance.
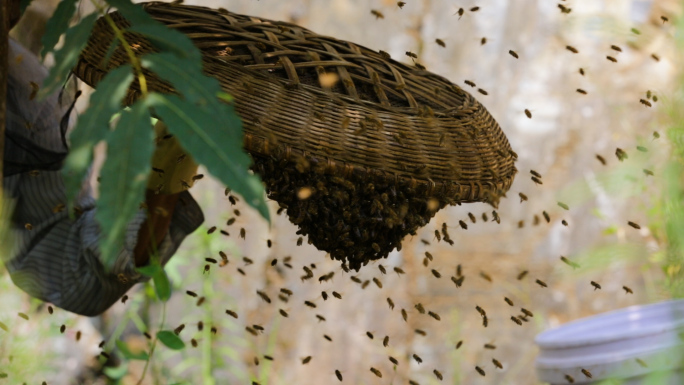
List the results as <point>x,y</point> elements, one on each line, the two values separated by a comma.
<point>380,150</point>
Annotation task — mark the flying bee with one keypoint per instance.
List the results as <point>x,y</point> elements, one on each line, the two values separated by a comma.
<point>616,48</point>
<point>299,241</point>
<point>440,42</point>
<point>355,279</point>
<point>458,344</point>
<point>434,315</point>
<point>436,273</point>
<point>191,293</point>
<point>336,295</point>
<point>645,102</point>
<point>474,9</point>
<point>664,19</point>
<point>472,217</point>
<point>404,315</point>
<point>393,360</point>
<point>438,236</point>
<point>526,312</point>
<point>586,373</point>
<point>463,225</point>
<point>179,329</point>
<point>338,374</point>
<point>399,270</point>
<point>480,370</point>
<point>570,263</point>
<point>306,360</point>
<point>61,329</point>
<point>200,301</point>
<point>569,379</point>
<point>194,345</point>
<point>522,275</point>
<point>376,372</point>
<point>485,276</point>
<point>516,320</point>
<point>377,282</point>
<point>28,226</point>
<point>627,290</point>
<point>536,180</point>
<point>123,300</point>
<point>411,55</point>
<point>320,318</point>
<point>458,281</point>
<point>528,113</point>
<point>401,4</point>
<point>459,270</point>
<point>581,71</point>
<point>460,13</point>
<point>546,216</point>
<point>484,217</point>
<point>49,309</point>
<point>571,49</point>
<point>370,335</point>
<point>327,337</point>
<point>541,283</point>
<point>595,285</point>
<point>538,175</point>
<point>521,224</point>
<point>224,257</point>
<point>310,304</point>
<point>365,284</point>
<point>417,358</point>
<point>243,233</point>
<point>385,341</point>
<point>378,15</point>
<point>252,331</point>
<point>581,91</point>
<point>481,311</point>
<point>325,296</point>
<point>656,135</point>
<point>620,154</point>
<point>232,199</point>
<point>23,315</point>
<point>206,269</point>
<point>438,374</point>
<point>655,57</point>
<point>563,206</point>
<point>614,60</point>
<point>483,92</point>
<point>232,314</point>
<point>497,363</point>
<point>264,296</point>
<point>420,308</point>
<point>470,83</point>
<point>508,301</point>
<point>601,159</point>
<point>382,269</point>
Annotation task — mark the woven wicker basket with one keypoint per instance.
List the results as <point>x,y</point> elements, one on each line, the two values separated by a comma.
<point>386,136</point>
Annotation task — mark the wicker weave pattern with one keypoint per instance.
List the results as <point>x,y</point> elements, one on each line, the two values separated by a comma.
<point>383,119</point>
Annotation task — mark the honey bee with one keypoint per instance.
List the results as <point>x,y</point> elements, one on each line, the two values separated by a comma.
<point>581,91</point>
<point>325,296</point>
<point>310,304</point>
<point>470,83</point>
<point>191,293</point>
<point>123,300</point>
<point>382,269</point>
<point>401,4</point>
<point>417,358</point>
<point>546,216</point>
<point>526,312</point>
<point>484,217</point>
<point>595,285</point>
<point>513,53</point>
<point>483,41</point>
<point>393,360</point>
<point>616,48</point>
<point>460,13</point>
<point>338,374</point>
<point>656,135</point>
<point>179,329</point>
<point>522,275</point>
<point>404,315</point>
<point>28,226</point>
<point>508,301</point>
<point>480,370</point>
<point>571,49</point>
<point>601,159</point>
<point>458,344</point>
<point>232,314</point>
<point>645,102</point>
<point>481,311</point>
<point>327,337</point>
<point>581,71</point>
<point>485,276</point>
<point>664,19</point>
<point>420,308</point>
<point>614,60</point>
<point>200,301</point>
<point>516,320</point>
<point>385,341</point>
<point>355,279</point>
<point>569,379</point>
<point>320,318</point>
<point>541,283</point>
<point>570,263</point>
<point>377,14</point>
<point>483,92</point>
<point>264,296</point>
<point>243,233</point>
<point>306,360</point>
<point>399,270</point>
<point>411,55</point>
<point>438,236</point>
<point>458,281</point>
<point>472,217</point>
<point>655,57</point>
<point>438,374</point>
<point>370,335</point>
<point>586,373</point>
<point>299,241</point>
<point>463,225</point>
<point>50,307</point>
<point>206,269</point>
<point>440,42</point>
<point>620,154</point>
<point>497,363</point>
<point>474,9</point>
<point>627,290</point>
<point>459,270</point>
<point>193,342</point>
<point>436,273</point>
<point>58,208</point>
<point>536,180</point>
<point>102,343</point>
<point>376,372</point>
<point>528,113</point>
<point>251,331</point>
<point>563,206</point>
<point>365,284</point>
<point>434,315</point>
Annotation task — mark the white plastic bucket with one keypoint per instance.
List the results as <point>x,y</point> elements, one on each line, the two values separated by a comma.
<point>634,344</point>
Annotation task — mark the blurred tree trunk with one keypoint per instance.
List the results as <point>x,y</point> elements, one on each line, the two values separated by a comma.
<point>4,32</point>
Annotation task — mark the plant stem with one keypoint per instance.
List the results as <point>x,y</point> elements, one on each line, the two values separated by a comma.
<point>153,345</point>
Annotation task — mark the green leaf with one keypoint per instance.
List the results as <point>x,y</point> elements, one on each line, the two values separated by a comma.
<point>117,372</point>
<point>149,270</point>
<point>161,285</point>
<point>134,13</point>
<point>170,339</point>
<point>124,177</point>
<point>65,59</point>
<point>212,145</point>
<point>93,126</point>
<point>57,25</point>
<point>170,40</point>
<point>127,353</point>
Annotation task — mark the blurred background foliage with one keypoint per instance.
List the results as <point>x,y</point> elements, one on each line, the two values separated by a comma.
<point>561,140</point>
